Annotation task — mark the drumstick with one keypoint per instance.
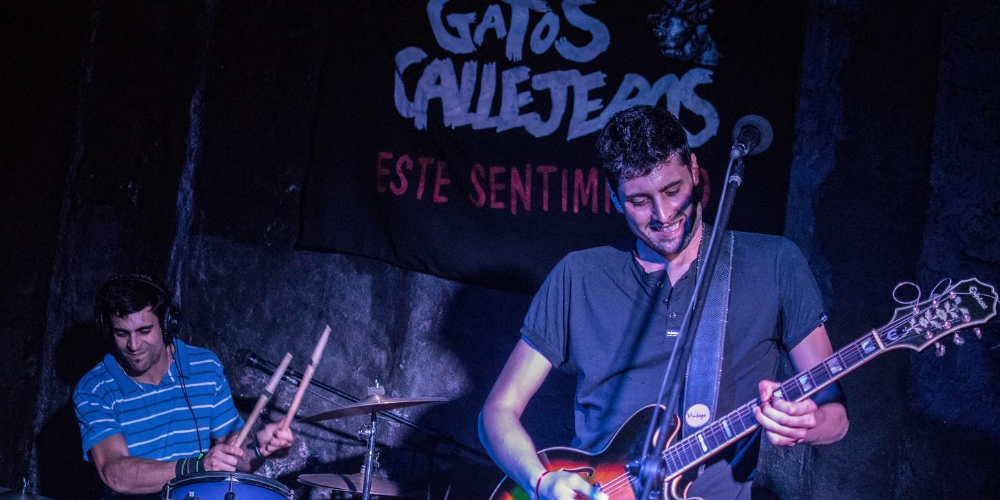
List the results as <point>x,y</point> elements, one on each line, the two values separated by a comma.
<point>306,377</point>
<point>264,398</point>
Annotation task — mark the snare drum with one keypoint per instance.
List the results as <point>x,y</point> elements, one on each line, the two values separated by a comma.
<point>215,485</point>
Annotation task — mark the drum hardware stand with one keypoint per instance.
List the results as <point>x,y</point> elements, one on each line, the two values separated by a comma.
<point>377,403</point>
<point>370,430</point>
<point>370,457</point>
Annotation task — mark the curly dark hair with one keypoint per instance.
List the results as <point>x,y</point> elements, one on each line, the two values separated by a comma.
<point>127,294</point>
<point>636,139</point>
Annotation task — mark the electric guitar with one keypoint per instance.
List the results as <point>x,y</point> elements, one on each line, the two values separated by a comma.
<point>916,325</point>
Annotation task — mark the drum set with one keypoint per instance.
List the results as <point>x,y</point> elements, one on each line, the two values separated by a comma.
<point>366,479</point>
<point>367,482</point>
<point>241,486</point>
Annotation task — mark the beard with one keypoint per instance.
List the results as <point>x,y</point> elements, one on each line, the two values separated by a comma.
<point>654,237</point>
<point>674,246</point>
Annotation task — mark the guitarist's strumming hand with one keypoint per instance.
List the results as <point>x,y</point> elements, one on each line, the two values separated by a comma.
<point>562,485</point>
<point>785,423</point>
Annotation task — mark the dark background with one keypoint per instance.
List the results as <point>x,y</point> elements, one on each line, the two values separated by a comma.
<point>176,137</point>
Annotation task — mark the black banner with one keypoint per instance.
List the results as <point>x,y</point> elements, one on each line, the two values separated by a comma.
<point>457,138</point>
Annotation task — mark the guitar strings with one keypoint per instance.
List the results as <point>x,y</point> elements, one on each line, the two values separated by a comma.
<point>616,484</point>
<point>852,352</point>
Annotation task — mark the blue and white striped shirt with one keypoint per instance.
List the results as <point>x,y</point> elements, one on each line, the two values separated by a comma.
<point>154,419</point>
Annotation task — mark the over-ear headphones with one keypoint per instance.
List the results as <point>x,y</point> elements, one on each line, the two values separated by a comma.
<point>169,319</point>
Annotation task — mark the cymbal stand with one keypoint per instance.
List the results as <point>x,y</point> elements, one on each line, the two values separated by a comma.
<point>295,378</point>
<point>370,455</point>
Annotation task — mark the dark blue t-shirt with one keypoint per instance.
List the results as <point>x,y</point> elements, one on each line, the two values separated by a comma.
<point>600,314</point>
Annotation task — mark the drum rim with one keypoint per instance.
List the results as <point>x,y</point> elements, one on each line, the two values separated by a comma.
<point>237,477</point>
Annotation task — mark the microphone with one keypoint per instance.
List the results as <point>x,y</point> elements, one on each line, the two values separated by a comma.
<point>248,357</point>
<point>251,359</point>
<point>751,135</point>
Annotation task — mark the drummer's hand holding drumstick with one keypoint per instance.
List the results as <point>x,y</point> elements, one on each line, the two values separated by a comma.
<point>223,457</point>
<point>236,453</point>
<point>274,439</point>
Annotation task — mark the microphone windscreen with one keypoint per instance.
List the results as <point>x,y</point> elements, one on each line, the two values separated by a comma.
<point>762,126</point>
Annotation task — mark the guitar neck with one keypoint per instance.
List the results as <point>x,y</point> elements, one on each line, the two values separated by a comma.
<point>697,447</point>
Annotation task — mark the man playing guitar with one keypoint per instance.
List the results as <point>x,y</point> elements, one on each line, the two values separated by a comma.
<point>611,313</point>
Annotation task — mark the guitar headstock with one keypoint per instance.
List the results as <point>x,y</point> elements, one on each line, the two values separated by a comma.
<point>918,324</point>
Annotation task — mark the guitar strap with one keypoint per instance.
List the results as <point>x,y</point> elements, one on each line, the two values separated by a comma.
<point>704,371</point>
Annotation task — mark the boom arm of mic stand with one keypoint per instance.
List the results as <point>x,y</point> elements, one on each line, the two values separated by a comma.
<point>295,377</point>
<point>652,470</point>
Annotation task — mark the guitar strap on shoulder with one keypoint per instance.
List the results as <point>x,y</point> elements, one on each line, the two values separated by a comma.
<point>704,371</point>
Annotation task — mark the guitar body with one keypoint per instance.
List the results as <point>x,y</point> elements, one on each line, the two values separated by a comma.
<point>606,467</point>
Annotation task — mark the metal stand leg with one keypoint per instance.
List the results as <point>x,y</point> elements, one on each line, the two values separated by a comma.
<point>369,459</point>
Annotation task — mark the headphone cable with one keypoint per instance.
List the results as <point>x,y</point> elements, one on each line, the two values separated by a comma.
<point>181,377</point>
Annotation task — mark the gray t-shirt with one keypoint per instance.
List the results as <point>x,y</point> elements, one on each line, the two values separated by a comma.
<point>600,314</point>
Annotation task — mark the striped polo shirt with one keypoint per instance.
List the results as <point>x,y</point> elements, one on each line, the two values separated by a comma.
<point>155,419</point>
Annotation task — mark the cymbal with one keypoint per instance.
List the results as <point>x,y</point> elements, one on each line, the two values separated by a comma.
<point>355,483</point>
<point>370,404</point>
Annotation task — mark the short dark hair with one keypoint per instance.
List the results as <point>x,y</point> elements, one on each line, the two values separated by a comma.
<point>128,294</point>
<point>636,139</point>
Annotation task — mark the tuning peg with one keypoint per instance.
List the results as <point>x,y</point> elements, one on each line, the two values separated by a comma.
<point>938,350</point>
<point>957,339</point>
<point>978,332</point>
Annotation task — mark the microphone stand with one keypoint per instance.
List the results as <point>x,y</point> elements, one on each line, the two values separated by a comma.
<point>652,471</point>
<point>295,378</point>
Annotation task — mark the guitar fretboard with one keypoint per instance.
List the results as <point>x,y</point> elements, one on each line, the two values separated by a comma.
<point>740,422</point>
<point>914,328</point>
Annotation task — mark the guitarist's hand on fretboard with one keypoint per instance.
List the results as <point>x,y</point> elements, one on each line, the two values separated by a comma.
<point>785,423</point>
<point>788,423</point>
<point>803,415</point>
